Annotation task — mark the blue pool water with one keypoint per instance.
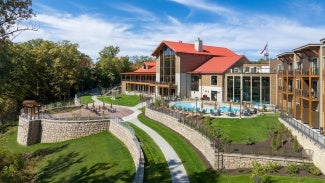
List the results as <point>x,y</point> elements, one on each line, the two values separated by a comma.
<point>190,106</point>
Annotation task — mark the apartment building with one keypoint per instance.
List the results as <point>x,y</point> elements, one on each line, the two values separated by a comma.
<point>301,84</point>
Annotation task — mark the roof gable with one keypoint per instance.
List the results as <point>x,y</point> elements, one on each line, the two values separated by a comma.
<point>180,47</point>
<point>218,64</point>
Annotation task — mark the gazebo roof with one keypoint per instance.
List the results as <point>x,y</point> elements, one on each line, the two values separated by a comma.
<point>31,103</point>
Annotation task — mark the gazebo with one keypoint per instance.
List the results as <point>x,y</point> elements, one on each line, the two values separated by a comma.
<point>30,108</point>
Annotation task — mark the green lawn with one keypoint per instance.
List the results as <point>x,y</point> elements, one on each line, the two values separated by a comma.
<point>97,158</point>
<point>124,100</point>
<point>239,130</point>
<point>194,166</point>
<point>86,99</point>
<point>156,168</point>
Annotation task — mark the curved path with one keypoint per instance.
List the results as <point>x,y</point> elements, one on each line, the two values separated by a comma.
<point>176,168</point>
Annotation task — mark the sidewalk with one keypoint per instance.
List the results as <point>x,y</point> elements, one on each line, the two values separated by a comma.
<point>176,168</point>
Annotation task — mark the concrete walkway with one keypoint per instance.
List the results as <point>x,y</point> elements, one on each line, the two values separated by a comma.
<point>176,168</point>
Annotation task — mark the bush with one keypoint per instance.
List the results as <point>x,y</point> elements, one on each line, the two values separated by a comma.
<point>249,141</point>
<point>292,169</point>
<point>272,167</point>
<point>295,144</point>
<point>312,169</point>
<point>259,173</point>
<point>273,145</point>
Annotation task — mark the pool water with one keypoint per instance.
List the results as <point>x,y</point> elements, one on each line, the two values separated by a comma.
<point>190,106</point>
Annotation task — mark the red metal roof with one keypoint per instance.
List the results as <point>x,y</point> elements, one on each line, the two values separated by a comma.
<point>217,64</point>
<point>150,69</point>
<point>180,47</point>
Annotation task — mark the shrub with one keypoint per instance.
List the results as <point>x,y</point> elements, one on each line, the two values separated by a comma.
<point>295,144</point>
<point>292,169</point>
<point>273,145</point>
<point>279,139</point>
<point>312,169</point>
<point>272,167</point>
<point>259,173</point>
<point>249,141</point>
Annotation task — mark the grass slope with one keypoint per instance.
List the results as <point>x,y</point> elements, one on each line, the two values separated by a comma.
<point>86,99</point>
<point>97,158</point>
<point>238,130</point>
<point>156,168</point>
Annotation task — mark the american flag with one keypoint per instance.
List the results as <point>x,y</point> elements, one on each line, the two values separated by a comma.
<point>264,49</point>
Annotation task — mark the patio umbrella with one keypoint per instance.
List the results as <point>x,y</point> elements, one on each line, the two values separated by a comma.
<point>215,105</point>
<point>229,107</point>
<point>201,105</point>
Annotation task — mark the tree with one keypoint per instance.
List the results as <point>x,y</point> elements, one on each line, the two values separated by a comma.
<point>111,67</point>
<point>14,17</point>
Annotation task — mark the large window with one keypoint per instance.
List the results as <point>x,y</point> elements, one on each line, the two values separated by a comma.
<point>230,88</point>
<point>167,65</point>
<point>256,89</point>
<point>246,88</point>
<point>214,80</point>
<point>195,83</point>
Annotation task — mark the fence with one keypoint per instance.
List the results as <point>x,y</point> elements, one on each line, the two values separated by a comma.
<point>312,134</point>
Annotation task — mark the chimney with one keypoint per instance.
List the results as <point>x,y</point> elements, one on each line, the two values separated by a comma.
<point>198,45</point>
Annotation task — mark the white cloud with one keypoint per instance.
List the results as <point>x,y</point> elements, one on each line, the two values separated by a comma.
<point>248,36</point>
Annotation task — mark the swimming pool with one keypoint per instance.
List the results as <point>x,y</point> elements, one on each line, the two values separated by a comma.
<point>190,106</point>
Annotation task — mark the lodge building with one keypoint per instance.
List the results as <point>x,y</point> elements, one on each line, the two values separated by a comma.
<point>187,70</point>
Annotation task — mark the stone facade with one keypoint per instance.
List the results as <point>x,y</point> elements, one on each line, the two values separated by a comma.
<point>217,160</point>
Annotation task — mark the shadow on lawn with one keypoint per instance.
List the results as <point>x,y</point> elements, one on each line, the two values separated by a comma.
<point>57,166</point>
<point>98,173</point>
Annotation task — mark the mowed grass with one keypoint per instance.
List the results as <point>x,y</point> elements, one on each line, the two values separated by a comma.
<point>86,99</point>
<point>124,100</point>
<point>239,130</point>
<point>96,158</point>
<point>194,166</point>
<point>156,168</point>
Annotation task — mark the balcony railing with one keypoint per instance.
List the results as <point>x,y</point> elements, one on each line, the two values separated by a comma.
<point>314,135</point>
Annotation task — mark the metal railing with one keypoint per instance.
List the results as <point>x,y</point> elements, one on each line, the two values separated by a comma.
<point>316,136</point>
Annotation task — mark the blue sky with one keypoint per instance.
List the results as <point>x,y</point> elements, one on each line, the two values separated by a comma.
<point>138,26</point>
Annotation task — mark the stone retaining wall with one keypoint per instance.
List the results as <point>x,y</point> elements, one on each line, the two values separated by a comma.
<point>234,161</point>
<point>221,160</point>
<point>129,140</point>
<point>200,142</point>
<point>57,131</point>
<point>48,131</point>
<point>28,131</point>
<point>318,156</point>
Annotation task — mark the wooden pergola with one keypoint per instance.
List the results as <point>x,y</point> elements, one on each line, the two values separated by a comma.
<point>30,108</point>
